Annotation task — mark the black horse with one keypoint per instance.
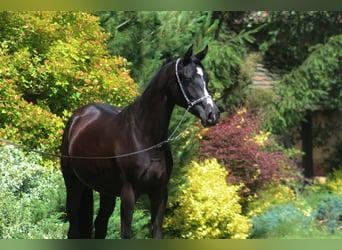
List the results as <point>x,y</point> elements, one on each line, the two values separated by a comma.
<point>113,151</point>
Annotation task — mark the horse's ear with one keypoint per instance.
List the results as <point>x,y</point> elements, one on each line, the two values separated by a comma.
<point>187,55</point>
<point>200,56</point>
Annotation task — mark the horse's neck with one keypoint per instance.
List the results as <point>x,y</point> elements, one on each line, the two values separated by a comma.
<point>154,109</point>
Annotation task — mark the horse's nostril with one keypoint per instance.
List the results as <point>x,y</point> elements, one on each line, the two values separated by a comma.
<point>211,117</point>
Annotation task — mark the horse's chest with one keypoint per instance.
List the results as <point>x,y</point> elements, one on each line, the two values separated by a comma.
<point>154,172</point>
<point>151,172</point>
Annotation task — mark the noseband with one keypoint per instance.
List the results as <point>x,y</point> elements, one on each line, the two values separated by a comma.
<point>189,102</point>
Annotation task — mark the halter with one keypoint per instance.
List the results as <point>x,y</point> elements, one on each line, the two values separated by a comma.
<point>187,99</point>
<point>171,138</point>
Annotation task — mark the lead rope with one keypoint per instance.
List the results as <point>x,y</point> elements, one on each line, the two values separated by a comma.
<point>171,138</point>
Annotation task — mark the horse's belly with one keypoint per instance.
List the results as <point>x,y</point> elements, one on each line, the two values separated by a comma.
<point>103,178</point>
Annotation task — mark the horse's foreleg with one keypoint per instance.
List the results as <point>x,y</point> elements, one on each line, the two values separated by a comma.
<point>128,199</point>
<point>107,205</point>
<point>158,201</point>
<point>86,213</point>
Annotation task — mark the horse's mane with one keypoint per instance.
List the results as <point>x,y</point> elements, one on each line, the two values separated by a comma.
<point>148,86</point>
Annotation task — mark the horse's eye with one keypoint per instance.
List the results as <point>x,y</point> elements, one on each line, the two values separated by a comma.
<point>187,79</point>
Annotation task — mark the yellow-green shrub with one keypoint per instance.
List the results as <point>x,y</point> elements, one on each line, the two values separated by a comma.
<point>59,61</point>
<point>334,182</point>
<point>206,206</point>
<point>27,123</point>
<point>51,64</point>
<point>271,194</point>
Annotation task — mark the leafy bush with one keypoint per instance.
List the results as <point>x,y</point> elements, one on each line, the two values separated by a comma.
<point>32,197</point>
<point>153,43</point>
<point>271,194</point>
<point>28,123</point>
<point>52,63</point>
<point>247,152</point>
<point>206,207</point>
<point>280,221</point>
<point>288,35</point>
<point>316,192</point>
<point>320,86</point>
<point>329,213</point>
<point>334,182</point>
<point>59,60</point>
<point>314,214</point>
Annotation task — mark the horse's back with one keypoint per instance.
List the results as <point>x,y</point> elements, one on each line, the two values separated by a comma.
<point>97,107</point>
<point>88,124</point>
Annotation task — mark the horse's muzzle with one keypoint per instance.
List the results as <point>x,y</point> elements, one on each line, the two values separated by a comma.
<point>211,116</point>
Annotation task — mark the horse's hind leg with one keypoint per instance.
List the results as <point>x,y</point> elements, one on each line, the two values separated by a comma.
<point>79,207</point>
<point>107,205</point>
<point>74,191</point>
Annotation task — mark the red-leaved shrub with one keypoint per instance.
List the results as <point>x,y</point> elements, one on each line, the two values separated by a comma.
<point>250,157</point>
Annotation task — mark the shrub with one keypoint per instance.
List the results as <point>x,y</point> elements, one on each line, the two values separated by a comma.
<point>280,221</point>
<point>28,123</point>
<point>52,63</point>
<point>59,60</point>
<point>334,182</point>
<point>316,214</point>
<point>314,193</point>
<point>271,194</point>
<point>328,213</point>
<point>32,197</point>
<point>247,152</point>
<point>206,207</point>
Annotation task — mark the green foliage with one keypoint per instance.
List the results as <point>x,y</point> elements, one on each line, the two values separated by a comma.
<point>52,63</point>
<point>32,197</point>
<point>315,213</point>
<point>328,213</point>
<point>206,206</point>
<point>270,195</point>
<point>287,35</point>
<point>128,32</point>
<point>63,64</point>
<point>334,182</point>
<point>288,221</point>
<point>315,84</point>
<point>262,101</point>
<point>145,39</point>
<point>28,123</point>
<point>140,225</point>
<point>280,221</point>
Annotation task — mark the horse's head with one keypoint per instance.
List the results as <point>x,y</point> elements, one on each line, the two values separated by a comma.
<point>192,82</point>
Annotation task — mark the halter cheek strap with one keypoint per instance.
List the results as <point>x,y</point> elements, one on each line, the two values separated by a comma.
<point>190,103</point>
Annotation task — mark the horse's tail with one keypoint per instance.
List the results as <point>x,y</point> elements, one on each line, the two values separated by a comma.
<point>65,146</point>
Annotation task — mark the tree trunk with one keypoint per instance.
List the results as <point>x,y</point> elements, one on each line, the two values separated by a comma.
<point>307,145</point>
